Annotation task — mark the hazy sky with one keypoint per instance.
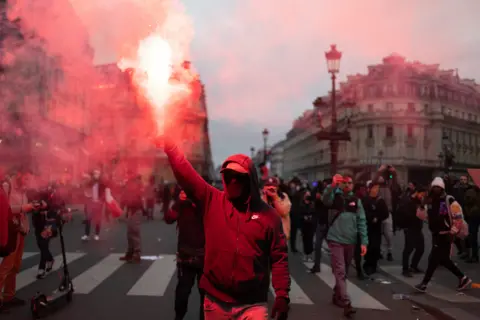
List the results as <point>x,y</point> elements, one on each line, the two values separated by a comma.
<point>263,61</point>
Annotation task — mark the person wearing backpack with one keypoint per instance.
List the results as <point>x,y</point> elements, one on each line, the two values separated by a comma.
<point>346,222</point>
<point>445,220</point>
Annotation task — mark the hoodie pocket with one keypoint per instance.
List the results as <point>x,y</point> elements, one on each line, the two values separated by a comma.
<point>249,272</point>
<point>219,266</point>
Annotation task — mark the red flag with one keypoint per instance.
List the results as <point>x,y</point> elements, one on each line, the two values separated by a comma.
<point>475,175</point>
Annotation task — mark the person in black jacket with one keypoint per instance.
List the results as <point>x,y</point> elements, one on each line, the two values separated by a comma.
<point>440,214</point>
<point>321,221</point>
<point>190,250</point>
<point>376,211</point>
<point>414,240</point>
<point>42,217</point>
<point>308,224</point>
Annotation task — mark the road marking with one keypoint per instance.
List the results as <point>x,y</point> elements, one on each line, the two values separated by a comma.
<point>435,290</point>
<point>360,298</point>
<point>156,279</point>
<point>28,276</point>
<point>297,295</point>
<point>90,279</point>
<point>27,255</point>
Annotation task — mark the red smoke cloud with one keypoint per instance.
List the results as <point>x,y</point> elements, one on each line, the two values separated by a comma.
<point>72,113</point>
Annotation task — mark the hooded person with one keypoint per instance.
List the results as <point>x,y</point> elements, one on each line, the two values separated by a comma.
<point>443,213</point>
<point>244,240</point>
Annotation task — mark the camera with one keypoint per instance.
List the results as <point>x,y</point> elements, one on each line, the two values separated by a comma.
<point>388,174</point>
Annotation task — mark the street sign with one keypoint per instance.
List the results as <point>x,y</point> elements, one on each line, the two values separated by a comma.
<point>334,136</point>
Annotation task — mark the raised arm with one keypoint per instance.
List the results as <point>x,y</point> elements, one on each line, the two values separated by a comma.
<point>186,176</point>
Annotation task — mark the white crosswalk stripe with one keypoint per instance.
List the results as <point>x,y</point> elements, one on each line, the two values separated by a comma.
<point>360,298</point>
<point>159,279</point>
<point>156,279</point>
<point>28,276</point>
<point>297,295</point>
<point>94,276</point>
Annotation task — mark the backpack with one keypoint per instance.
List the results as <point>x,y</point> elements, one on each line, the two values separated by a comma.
<point>457,220</point>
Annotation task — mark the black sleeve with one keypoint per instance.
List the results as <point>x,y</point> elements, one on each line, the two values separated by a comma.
<point>382,210</point>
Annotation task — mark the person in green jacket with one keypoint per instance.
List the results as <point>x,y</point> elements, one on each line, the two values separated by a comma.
<point>346,221</point>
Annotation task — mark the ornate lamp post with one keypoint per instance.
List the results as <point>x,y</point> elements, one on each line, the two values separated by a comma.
<point>448,155</point>
<point>265,134</point>
<point>333,135</point>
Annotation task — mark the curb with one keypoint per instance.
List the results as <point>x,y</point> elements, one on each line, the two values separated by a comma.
<point>440,313</point>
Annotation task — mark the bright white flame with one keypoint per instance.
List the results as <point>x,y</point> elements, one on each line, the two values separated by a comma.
<point>153,70</point>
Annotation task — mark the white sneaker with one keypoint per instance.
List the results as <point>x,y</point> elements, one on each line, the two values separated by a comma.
<point>96,237</point>
<point>41,274</point>
<point>85,238</point>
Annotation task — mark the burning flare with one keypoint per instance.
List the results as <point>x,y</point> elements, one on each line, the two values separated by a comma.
<point>158,65</point>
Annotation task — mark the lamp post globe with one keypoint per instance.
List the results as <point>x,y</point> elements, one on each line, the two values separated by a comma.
<point>333,59</point>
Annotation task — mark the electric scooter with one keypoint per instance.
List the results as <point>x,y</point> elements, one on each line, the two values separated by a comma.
<point>42,305</point>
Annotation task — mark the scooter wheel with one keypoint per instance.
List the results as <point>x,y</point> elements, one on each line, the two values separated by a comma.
<point>37,305</point>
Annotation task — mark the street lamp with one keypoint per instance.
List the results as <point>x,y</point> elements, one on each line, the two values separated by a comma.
<point>265,134</point>
<point>334,136</point>
<point>252,152</point>
<point>333,60</point>
<point>448,155</point>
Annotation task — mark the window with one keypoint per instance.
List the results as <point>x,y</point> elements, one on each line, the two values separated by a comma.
<point>443,109</point>
<point>475,118</point>
<point>410,130</point>
<point>389,131</point>
<point>463,115</point>
<point>457,113</point>
<point>370,108</point>
<point>370,131</point>
<point>469,117</point>
<point>389,107</point>
<point>411,107</point>
<point>425,108</point>
<point>449,111</point>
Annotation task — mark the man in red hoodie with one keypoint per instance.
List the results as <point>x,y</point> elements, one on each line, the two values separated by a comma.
<point>244,241</point>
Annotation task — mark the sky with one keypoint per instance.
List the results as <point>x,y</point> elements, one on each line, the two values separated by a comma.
<point>263,62</point>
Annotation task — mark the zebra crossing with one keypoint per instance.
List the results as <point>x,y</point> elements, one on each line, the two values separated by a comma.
<point>157,278</point>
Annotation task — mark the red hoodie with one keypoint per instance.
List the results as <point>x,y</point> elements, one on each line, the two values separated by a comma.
<point>243,246</point>
<point>5,216</point>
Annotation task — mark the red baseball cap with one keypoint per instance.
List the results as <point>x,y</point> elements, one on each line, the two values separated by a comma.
<point>234,167</point>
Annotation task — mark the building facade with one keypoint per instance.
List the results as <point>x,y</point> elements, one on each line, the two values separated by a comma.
<point>406,115</point>
<point>276,159</point>
<point>43,87</point>
<point>122,126</point>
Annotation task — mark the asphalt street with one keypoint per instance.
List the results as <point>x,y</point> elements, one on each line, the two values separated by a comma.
<point>108,289</point>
